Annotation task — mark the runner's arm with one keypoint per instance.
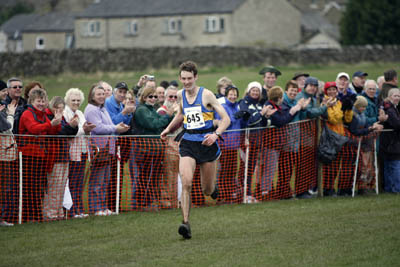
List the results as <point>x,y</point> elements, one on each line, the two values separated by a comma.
<point>223,124</point>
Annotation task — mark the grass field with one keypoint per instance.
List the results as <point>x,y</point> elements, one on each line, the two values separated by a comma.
<point>58,85</point>
<point>364,231</point>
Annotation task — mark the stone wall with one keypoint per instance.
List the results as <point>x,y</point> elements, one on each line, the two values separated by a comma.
<point>90,60</point>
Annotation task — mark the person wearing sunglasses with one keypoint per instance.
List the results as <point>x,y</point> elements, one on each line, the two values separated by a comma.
<point>169,185</point>
<point>15,91</point>
<point>170,100</point>
<point>149,149</point>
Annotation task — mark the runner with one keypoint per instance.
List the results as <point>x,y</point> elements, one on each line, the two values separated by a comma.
<point>198,145</point>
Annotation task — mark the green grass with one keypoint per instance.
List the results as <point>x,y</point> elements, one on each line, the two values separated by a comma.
<point>364,231</point>
<point>241,76</point>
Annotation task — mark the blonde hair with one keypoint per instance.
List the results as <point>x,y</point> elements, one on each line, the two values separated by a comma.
<point>361,102</point>
<point>223,82</point>
<point>148,90</point>
<point>37,93</point>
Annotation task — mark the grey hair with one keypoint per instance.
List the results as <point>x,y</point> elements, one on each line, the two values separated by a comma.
<point>13,79</point>
<point>55,101</point>
<point>74,91</point>
<point>392,91</point>
<point>171,87</point>
<point>370,81</point>
<point>380,79</point>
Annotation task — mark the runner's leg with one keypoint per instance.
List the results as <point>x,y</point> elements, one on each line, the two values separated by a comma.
<point>187,166</point>
<point>208,173</point>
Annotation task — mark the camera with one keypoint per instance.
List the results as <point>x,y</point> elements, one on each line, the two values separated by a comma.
<point>150,78</point>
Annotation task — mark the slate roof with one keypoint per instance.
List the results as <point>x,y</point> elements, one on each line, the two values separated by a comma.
<point>14,26</point>
<point>146,8</point>
<point>313,23</point>
<point>52,22</point>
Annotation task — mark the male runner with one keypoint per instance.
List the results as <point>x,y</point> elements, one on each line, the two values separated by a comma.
<point>198,144</point>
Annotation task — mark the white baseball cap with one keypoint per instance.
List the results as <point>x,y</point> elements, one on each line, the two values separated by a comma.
<point>341,74</point>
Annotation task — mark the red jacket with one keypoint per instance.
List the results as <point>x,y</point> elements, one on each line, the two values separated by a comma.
<point>41,125</point>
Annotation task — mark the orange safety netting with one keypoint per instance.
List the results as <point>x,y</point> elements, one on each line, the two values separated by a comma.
<point>54,177</point>
<point>354,167</point>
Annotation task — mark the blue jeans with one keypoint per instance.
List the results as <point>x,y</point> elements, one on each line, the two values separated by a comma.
<point>9,194</point>
<point>134,172</point>
<point>99,179</point>
<point>270,157</point>
<point>391,174</point>
<point>76,177</point>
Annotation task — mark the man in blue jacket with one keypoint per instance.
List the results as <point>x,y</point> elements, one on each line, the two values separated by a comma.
<point>119,112</point>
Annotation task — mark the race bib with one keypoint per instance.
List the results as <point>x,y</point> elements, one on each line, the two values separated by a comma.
<point>194,118</point>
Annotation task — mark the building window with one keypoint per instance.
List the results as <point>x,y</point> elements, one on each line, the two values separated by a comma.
<point>94,28</point>
<point>173,26</point>
<point>131,28</point>
<point>40,42</point>
<point>214,24</point>
<point>69,41</point>
<point>91,28</point>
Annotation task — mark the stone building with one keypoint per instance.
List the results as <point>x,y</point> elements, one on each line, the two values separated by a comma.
<point>53,30</point>
<point>187,23</point>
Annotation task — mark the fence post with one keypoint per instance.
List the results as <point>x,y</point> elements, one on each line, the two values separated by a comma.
<point>20,189</point>
<point>118,179</point>
<point>356,169</point>
<point>319,164</point>
<point>246,165</point>
<point>376,168</point>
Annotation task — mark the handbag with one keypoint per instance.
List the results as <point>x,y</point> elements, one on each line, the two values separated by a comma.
<point>8,148</point>
<point>330,144</point>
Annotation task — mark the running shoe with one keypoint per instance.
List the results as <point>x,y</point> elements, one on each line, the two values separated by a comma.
<point>215,194</point>
<point>184,230</point>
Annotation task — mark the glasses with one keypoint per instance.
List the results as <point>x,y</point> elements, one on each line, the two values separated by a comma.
<point>152,96</point>
<point>17,86</point>
<point>173,96</point>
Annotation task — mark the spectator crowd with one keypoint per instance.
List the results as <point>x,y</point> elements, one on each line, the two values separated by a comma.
<point>350,106</point>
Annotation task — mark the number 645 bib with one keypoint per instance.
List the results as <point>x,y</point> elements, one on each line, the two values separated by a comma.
<point>194,118</point>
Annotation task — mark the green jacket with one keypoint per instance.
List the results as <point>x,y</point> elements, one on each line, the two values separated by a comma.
<point>152,123</point>
<point>312,110</point>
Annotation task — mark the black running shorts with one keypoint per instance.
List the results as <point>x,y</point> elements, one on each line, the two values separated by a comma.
<point>199,152</point>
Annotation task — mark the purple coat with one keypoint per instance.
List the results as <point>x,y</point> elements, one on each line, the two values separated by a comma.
<point>104,126</point>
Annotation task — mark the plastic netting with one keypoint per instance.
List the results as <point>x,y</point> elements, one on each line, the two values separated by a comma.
<point>354,169</point>
<point>54,177</point>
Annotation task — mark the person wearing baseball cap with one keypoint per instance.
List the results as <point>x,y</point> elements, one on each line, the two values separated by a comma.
<point>270,75</point>
<point>342,83</point>
<point>358,81</point>
<point>121,111</point>
<point>115,106</point>
<point>311,111</point>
